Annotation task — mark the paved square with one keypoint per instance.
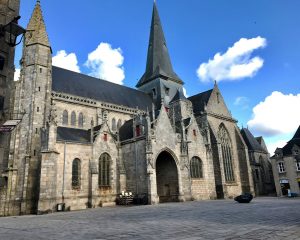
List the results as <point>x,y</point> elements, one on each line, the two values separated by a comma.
<point>263,218</point>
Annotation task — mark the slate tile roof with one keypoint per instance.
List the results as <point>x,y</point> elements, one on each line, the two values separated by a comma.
<point>200,100</point>
<point>65,81</point>
<point>65,134</point>
<point>250,140</point>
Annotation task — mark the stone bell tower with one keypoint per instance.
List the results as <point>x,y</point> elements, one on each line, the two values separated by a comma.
<point>33,98</point>
<point>159,80</point>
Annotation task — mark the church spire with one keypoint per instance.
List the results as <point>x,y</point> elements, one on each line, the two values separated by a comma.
<point>158,59</point>
<point>36,29</point>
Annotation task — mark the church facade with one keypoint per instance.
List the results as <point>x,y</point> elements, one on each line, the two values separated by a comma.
<point>82,141</point>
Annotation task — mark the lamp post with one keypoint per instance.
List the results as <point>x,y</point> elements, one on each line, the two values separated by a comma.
<point>13,30</point>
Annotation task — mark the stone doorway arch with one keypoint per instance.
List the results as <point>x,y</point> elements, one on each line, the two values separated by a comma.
<point>167,178</point>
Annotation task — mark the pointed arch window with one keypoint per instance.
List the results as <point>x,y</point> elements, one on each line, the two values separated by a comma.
<point>80,120</point>
<point>196,168</point>
<point>104,170</point>
<point>113,125</point>
<point>119,124</point>
<point>76,172</point>
<point>65,119</point>
<point>226,154</point>
<point>73,118</point>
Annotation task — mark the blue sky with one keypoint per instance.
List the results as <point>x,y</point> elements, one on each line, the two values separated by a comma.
<point>267,98</point>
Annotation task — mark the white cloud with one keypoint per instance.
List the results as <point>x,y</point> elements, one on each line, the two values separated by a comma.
<point>242,102</point>
<point>17,74</point>
<point>185,92</point>
<point>277,114</point>
<point>277,144</point>
<point>106,63</point>
<point>66,61</point>
<point>235,64</point>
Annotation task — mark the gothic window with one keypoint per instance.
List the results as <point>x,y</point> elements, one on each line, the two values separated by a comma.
<point>104,170</point>
<point>65,118</point>
<point>138,131</point>
<point>119,123</point>
<point>1,103</point>
<point>196,168</point>
<point>113,124</point>
<point>73,118</point>
<point>226,154</point>
<point>76,167</point>
<point>80,120</point>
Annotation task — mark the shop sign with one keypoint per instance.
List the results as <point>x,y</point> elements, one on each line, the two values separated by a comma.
<point>284,181</point>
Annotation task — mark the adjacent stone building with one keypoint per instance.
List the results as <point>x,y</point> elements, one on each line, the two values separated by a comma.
<point>286,166</point>
<point>260,163</point>
<point>83,141</point>
<point>9,9</point>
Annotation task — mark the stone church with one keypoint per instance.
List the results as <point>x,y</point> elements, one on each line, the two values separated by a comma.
<point>82,140</point>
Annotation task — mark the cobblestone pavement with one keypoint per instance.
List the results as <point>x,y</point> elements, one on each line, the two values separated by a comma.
<point>263,218</point>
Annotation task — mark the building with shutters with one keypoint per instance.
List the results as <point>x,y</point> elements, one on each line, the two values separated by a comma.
<point>286,167</point>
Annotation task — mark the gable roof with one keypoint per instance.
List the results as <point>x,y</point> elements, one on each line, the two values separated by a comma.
<point>200,100</point>
<point>81,85</point>
<point>287,149</point>
<point>250,140</point>
<point>178,96</point>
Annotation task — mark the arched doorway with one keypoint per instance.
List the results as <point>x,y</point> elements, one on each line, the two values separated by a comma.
<point>166,178</point>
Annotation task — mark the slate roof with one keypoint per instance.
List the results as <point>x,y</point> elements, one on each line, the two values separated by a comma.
<point>200,100</point>
<point>158,58</point>
<point>287,149</point>
<point>252,143</point>
<point>81,85</point>
<point>178,96</point>
<point>126,130</point>
<point>73,135</point>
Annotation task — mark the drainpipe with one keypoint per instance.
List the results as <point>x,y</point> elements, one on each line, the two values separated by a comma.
<point>64,169</point>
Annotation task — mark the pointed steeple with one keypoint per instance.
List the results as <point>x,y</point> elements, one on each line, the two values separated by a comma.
<point>36,29</point>
<point>158,59</point>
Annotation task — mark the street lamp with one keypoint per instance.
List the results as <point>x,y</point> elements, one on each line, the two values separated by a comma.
<point>14,30</point>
